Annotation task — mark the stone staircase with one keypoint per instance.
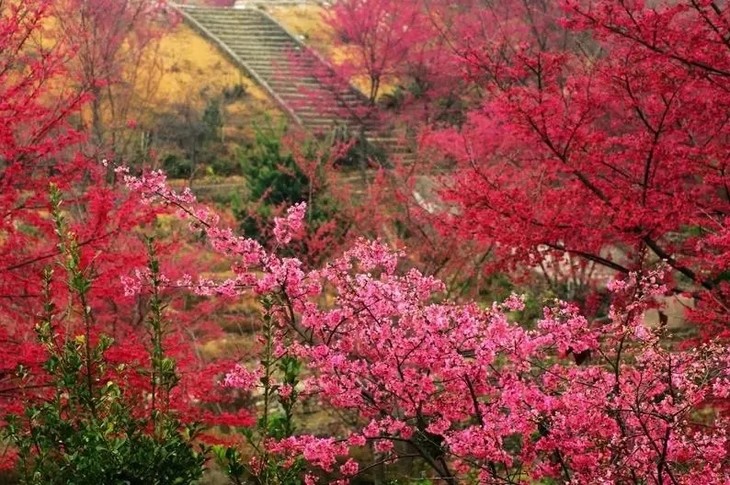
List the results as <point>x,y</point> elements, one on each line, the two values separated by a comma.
<point>304,85</point>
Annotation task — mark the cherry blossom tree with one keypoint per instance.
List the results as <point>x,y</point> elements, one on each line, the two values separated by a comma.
<point>614,156</point>
<point>464,388</point>
<point>115,43</point>
<point>592,138</point>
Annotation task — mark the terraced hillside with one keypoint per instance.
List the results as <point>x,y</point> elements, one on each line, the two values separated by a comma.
<point>297,78</point>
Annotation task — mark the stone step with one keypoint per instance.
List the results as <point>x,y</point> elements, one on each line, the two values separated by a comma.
<point>259,45</point>
<point>324,113</point>
<point>239,38</point>
<point>304,106</point>
<point>272,51</point>
<point>278,58</point>
<point>275,57</point>
<point>243,24</point>
<point>308,99</point>
<point>280,72</point>
<point>301,100</point>
<point>310,91</point>
<point>287,80</point>
<point>298,88</point>
<point>252,32</point>
<point>321,112</point>
<point>228,19</point>
<point>283,58</point>
<point>218,12</point>
<point>238,23</point>
<point>284,76</point>
<point>271,63</point>
<point>229,15</point>
<point>280,79</point>
<point>304,84</point>
<point>312,85</point>
<point>267,54</point>
<point>308,111</point>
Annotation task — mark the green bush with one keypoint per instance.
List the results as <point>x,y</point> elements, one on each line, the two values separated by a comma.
<point>191,140</point>
<point>177,167</point>
<point>225,167</point>
<point>361,153</point>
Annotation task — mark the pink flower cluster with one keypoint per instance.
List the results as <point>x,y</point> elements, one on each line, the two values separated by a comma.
<point>242,378</point>
<point>320,452</point>
<point>291,226</point>
<point>474,393</point>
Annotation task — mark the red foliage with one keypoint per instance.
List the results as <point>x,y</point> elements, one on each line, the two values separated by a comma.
<point>38,147</point>
<point>596,133</point>
<point>616,157</point>
<point>33,130</point>
<point>383,34</point>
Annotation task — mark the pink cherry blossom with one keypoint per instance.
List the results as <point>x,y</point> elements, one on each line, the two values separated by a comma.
<point>291,226</point>
<point>571,400</point>
<point>242,378</point>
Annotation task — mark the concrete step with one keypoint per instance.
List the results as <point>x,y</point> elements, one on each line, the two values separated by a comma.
<point>230,15</point>
<point>303,106</point>
<point>272,51</point>
<point>302,82</point>
<point>224,13</point>
<point>283,61</point>
<point>268,54</point>
<point>295,84</point>
<point>228,19</point>
<point>237,23</point>
<point>280,61</point>
<point>300,85</point>
<point>259,45</point>
<point>282,75</point>
<point>235,39</point>
<point>333,112</point>
<point>281,55</point>
<point>252,31</point>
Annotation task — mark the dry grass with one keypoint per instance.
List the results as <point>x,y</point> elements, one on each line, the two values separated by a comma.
<point>191,64</point>
<point>192,70</point>
<point>307,22</point>
<point>181,67</point>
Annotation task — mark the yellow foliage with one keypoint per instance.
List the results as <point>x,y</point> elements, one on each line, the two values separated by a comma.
<point>231,344</point>
<point>182,67</point>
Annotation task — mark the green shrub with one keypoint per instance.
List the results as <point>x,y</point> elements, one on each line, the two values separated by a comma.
<point>177,167</point>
